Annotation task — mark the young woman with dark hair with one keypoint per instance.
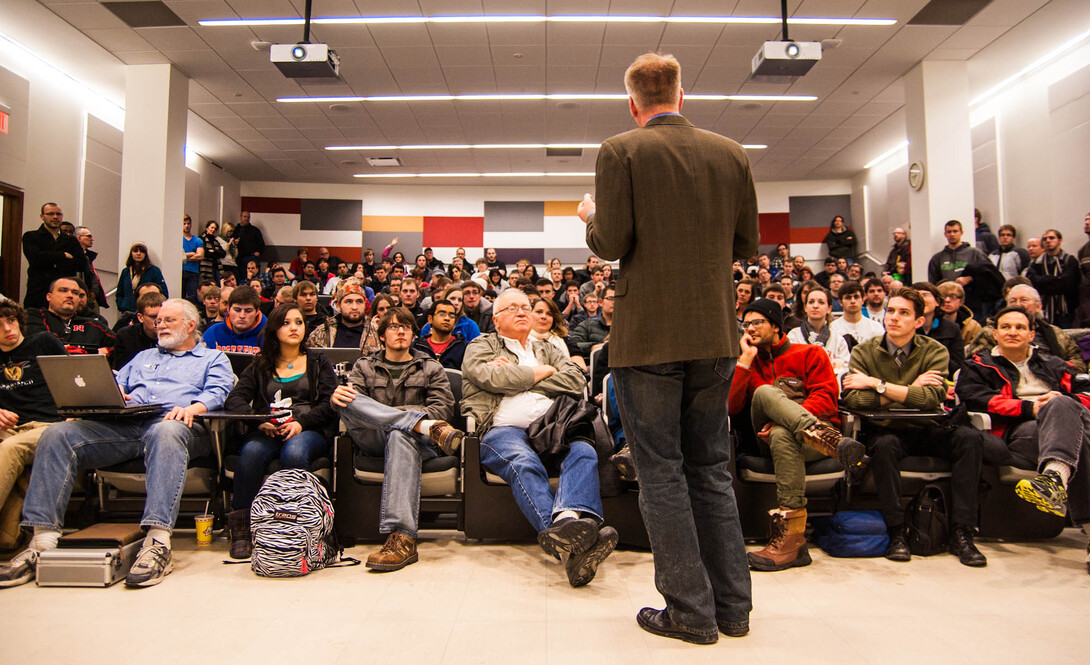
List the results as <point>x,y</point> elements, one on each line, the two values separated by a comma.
<point>138,270</point>
<point>280,377</point>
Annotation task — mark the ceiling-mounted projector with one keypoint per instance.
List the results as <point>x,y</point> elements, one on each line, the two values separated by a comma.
<point>305,61</point>
<point>782,62</point>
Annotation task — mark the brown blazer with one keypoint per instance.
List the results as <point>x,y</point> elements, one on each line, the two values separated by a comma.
<point>673,202</point>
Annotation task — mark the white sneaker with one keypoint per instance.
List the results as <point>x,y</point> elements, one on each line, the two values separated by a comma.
<point>153,563</point>
<point>20,570</point>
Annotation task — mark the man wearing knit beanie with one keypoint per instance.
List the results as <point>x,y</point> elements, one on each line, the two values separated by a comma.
<point>791,394</point>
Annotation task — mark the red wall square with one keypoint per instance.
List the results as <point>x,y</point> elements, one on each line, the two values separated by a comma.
<point>453,231</point>
<point>775,227</point>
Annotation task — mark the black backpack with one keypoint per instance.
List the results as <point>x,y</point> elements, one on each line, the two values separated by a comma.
<point>927,522</point>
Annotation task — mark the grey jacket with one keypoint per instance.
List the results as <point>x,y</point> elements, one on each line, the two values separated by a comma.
<point>483,386</point>
<point>422,386</point>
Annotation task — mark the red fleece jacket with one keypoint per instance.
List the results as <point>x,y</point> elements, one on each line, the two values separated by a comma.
<point>803,361</point>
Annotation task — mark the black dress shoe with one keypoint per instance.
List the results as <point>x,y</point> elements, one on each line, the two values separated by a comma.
<point>657,622</point>
<point>898,545</point>
<point>961,546</point>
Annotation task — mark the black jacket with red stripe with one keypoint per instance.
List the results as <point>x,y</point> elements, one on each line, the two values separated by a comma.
<point>990,383</point>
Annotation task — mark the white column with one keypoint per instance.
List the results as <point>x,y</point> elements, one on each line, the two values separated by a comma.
<point>153,167</point>
<point>937,125</point>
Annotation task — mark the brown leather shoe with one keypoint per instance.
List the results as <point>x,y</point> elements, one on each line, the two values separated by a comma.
<point>787,546</point>
<point>398,552</point>
<point>446,436</point>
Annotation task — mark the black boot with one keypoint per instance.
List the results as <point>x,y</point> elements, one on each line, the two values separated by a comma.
<point>898,544</point>
<point>239,522</point>
<point>961,546</point>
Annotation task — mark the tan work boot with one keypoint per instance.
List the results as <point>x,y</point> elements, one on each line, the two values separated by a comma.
<point>446,436</point>
<point>398,552</point>
<point>787,546</point>
<point>828,441</point>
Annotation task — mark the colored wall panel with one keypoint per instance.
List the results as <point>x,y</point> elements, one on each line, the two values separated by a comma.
<point>514,216</point>
<point>818,211</point>
<point>393,224</point>
<point>811,235</point>
<point>560,208</point>
<point>775,228</point>
<point>330,214</point>
<point>269,204</point>
<point>453,232</point>
<point>408,243</point>
<point>512,255</point>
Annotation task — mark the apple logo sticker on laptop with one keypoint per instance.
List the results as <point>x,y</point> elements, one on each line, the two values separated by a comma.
<point>80,382</point>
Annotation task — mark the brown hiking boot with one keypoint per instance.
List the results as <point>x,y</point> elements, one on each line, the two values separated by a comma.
<point>828,441</point>
<point>626,467</point>
<point>446,436</point>
<point>787,546</point>
<point>239,523</point>
<point>398,552</point>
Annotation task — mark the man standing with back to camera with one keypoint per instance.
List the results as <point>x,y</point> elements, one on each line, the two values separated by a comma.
<point>664,181</point>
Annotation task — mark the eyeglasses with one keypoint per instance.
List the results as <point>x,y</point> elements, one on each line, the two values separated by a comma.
<point>515,309</point>
<point>951,296</point>
<point>398,327</point>
<point>609,298</point>
<point>753,323</point>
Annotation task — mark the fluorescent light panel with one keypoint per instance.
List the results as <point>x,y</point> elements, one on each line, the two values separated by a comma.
<point>489,146</point>
<point>536,97</point>
<point>887,154</point>
<point>1030,68</point>
<point>538,18</point>
<point>572,174</point>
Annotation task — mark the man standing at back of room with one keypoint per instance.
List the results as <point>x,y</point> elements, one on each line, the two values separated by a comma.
<point>663,181</point>
<point>50,254</point>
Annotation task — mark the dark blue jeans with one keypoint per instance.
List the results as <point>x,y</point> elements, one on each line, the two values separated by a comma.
<point>675,418</point>
<point>298,452</point>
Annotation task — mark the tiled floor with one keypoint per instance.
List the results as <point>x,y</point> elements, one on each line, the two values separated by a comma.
<point>509,605</point>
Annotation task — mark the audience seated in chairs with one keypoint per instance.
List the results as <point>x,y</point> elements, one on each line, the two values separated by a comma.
<point>1039,408</point>
<point>591,332</point>
<point>853,327</point>
<point>816,329</point>
<point>396,405</point>
<point>1046,337</point>
<point>511,380</point>
<point>351,328</point>
<point>187,379</point>
<point>241,332</point>
<point>442,343</point>
<point>134,339</point>
<point>26,409</point>
<point>281,377</point>
<point>939,329</point>
<point>61,317</point>
<point>790,392</point>
<point>904,369</point>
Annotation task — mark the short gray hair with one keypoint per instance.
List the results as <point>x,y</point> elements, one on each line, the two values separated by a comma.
<point>80,230</point>
<point>189,313</point>
<point>1025,287</point>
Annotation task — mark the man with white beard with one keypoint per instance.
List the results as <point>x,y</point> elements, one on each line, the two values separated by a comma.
<point>188,379</point>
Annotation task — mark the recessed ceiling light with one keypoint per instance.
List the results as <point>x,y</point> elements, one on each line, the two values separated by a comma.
<point>488,146</point>
<point>538,18</point>
<point>572,174</point>
<point>538,97</point>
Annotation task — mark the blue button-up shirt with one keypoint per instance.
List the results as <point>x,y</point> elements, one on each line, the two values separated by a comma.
<point>200,375</point>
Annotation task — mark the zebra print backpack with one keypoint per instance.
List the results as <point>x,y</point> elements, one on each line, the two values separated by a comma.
<point>291,524</point>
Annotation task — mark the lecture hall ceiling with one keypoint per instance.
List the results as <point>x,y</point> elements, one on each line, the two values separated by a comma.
<point>234,87</point>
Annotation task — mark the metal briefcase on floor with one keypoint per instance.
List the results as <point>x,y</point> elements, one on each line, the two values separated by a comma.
<point>97,556</point>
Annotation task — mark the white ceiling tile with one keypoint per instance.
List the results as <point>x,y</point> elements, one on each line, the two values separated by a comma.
<point>179,38</point>
<point>952,54</point>
<point>400,35</point>
<point>645,35</point>
<point>119,40</point>
<point>574,55</point>
<point>410,56</point>
<point>574,33</point>
<point>517,34</point>
<point>464,56</point>
<point>264,8</point>
<point>520,80</point>
<point>143,58</point>
<point>570,79</point>
<point>458,34</point>
<point>343,36</point>
<point>470,80</point>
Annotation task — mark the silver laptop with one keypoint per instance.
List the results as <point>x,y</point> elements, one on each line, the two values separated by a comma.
<point>84,386</point>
